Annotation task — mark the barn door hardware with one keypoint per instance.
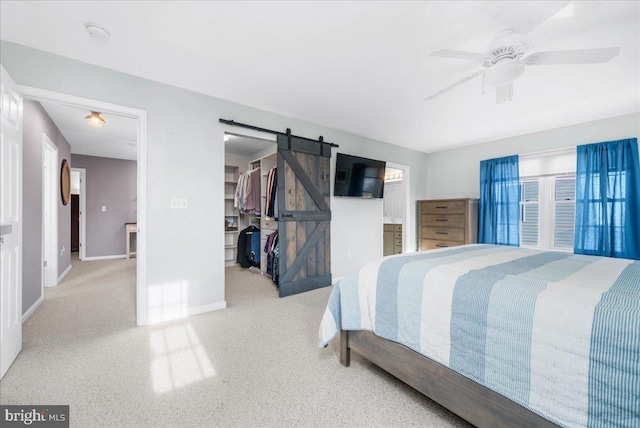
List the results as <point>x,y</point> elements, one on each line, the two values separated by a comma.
<point>284,134</point>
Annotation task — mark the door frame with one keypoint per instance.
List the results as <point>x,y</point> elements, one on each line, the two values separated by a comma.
<point>248,133</point>
<point>11,282</point>
<point>49,277</point>
<point>82,202</point>
<point>406,206</point>
<point>39,95</point>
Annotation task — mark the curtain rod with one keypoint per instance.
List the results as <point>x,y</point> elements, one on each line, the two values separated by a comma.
<point>284,134</point>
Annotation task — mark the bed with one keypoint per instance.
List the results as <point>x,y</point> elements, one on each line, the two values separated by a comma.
<point>502,336</point>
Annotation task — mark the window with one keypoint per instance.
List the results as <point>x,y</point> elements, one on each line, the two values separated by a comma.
<point>529,213</point>
<point>564,212</point>
<point>547,212</point>
<point>548,200</point>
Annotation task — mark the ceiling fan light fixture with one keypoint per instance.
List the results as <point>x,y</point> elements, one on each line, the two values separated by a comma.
<point>504,73</point>
<point>95,119</point>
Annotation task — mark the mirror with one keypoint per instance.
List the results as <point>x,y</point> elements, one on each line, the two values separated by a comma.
<point>65,182</point>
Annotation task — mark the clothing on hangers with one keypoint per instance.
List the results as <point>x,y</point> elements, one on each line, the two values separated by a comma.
<point>273,255</point>
<point>248,192</point>
<point>271,200</point>
<point>246,256</point>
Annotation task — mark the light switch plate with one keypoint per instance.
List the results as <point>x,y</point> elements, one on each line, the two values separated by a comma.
<point>104,209</point>
<point>178,204</point>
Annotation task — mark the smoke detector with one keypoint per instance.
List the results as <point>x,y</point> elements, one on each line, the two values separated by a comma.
<point>97,31</point>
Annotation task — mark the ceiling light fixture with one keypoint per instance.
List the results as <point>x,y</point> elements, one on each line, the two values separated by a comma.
<point>97,31</point>
<point>95,119</point>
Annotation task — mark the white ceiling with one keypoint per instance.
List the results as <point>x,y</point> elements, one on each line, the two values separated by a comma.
<point>117,138</point>
<point>362,67</point>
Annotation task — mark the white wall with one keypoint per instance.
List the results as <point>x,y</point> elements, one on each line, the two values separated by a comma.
<point>185,251</point>
<point>456,173</point>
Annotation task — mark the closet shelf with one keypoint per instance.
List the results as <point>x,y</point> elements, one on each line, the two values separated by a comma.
<point>230,247</point>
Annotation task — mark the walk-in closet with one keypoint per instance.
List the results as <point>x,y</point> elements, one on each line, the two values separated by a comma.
<point>251,228</point>
<point>277,221</point>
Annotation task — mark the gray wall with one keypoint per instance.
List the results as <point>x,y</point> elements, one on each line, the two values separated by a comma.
<point>110,183</point>
<point>185,159</point>
<point>456,173</point>
<point>37,122</point>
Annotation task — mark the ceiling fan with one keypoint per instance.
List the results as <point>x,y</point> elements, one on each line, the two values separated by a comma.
<point>509,55</point>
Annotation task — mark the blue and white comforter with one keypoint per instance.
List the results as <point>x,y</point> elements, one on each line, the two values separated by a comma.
<point>555,332</point>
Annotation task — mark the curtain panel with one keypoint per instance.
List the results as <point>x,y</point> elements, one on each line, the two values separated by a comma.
<point>608,199</point>
<point>499,206</point>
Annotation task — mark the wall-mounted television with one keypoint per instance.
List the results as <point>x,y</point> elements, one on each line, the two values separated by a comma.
<point>359,177</point>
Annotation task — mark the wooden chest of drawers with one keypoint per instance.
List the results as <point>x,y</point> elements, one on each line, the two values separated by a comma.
<point>447,223</point>
<point>392,239</point>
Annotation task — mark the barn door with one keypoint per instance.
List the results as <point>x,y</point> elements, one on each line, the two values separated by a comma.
<point>304,215</point>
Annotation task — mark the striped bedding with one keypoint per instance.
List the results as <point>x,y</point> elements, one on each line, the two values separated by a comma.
<point>557,333</point>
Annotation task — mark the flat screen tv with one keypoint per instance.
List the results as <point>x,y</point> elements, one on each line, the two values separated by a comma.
<point>359,177</point>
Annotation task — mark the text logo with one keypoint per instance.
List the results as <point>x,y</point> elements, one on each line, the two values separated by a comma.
<point>35,416</point>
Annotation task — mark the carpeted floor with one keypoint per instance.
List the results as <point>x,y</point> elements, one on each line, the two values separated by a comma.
<point>255,363</point>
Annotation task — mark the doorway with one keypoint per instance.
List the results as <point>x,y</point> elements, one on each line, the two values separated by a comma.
<point>395,228</point>
<point>244,153</point>
<point>50,192</point>
<point>139,147</point>
<point>78,208</point>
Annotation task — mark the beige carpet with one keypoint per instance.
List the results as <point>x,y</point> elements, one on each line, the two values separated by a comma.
<point>255,363</point>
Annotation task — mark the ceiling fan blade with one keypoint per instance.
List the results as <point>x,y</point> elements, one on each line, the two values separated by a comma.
<point>458,83</point>
<point>572,9</point>
<point>577,56</point>
<point>504,93</point>
<point>449,53</point>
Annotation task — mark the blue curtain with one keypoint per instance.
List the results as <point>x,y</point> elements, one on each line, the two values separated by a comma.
<point>608,200</point>
<point>499,207</point>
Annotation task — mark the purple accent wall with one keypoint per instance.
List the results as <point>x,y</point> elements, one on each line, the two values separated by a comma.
<point>111,183</point>
<point>36,122</point>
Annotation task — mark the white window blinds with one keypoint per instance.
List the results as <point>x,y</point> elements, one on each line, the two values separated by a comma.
<point>547,199</point>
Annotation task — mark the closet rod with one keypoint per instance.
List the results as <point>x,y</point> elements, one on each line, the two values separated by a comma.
<point>284,134</point>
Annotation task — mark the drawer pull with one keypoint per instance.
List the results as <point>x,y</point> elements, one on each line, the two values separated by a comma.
<point>442,246</point>
<point>442,219</point>
<point>442,233</point>
<point>442,208</point>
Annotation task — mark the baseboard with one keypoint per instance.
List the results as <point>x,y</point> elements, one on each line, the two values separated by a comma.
<point>118,256</point>
<point>61,277</point>
<point>32,309</point>
<point>153,319</point>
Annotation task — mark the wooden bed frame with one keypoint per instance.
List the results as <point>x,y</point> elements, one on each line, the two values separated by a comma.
<point>477,404</point>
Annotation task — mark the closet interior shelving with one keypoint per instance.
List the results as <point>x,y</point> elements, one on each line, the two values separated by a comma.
<point>233,221</point>
<point>233,216</point>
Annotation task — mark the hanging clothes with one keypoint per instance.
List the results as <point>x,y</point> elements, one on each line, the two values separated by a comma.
<point>248,192</point>
<point>273,252</point>
<point>254,247</point>
<point>271,200</point>
<point>245,247</point>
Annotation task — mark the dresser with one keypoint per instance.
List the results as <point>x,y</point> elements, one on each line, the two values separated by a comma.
<point>391,239</point>
<point>447,223</point>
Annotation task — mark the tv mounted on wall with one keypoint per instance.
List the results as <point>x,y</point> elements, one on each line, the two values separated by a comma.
<point>359,177</point>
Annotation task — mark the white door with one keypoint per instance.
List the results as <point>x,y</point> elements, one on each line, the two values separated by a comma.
<point>50,194</point>
<point>10,222</point>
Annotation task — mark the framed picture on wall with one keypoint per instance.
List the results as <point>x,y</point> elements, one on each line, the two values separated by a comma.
<point>65,182</point>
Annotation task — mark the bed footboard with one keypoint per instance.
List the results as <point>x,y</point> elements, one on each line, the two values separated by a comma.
<point>476,403</point>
